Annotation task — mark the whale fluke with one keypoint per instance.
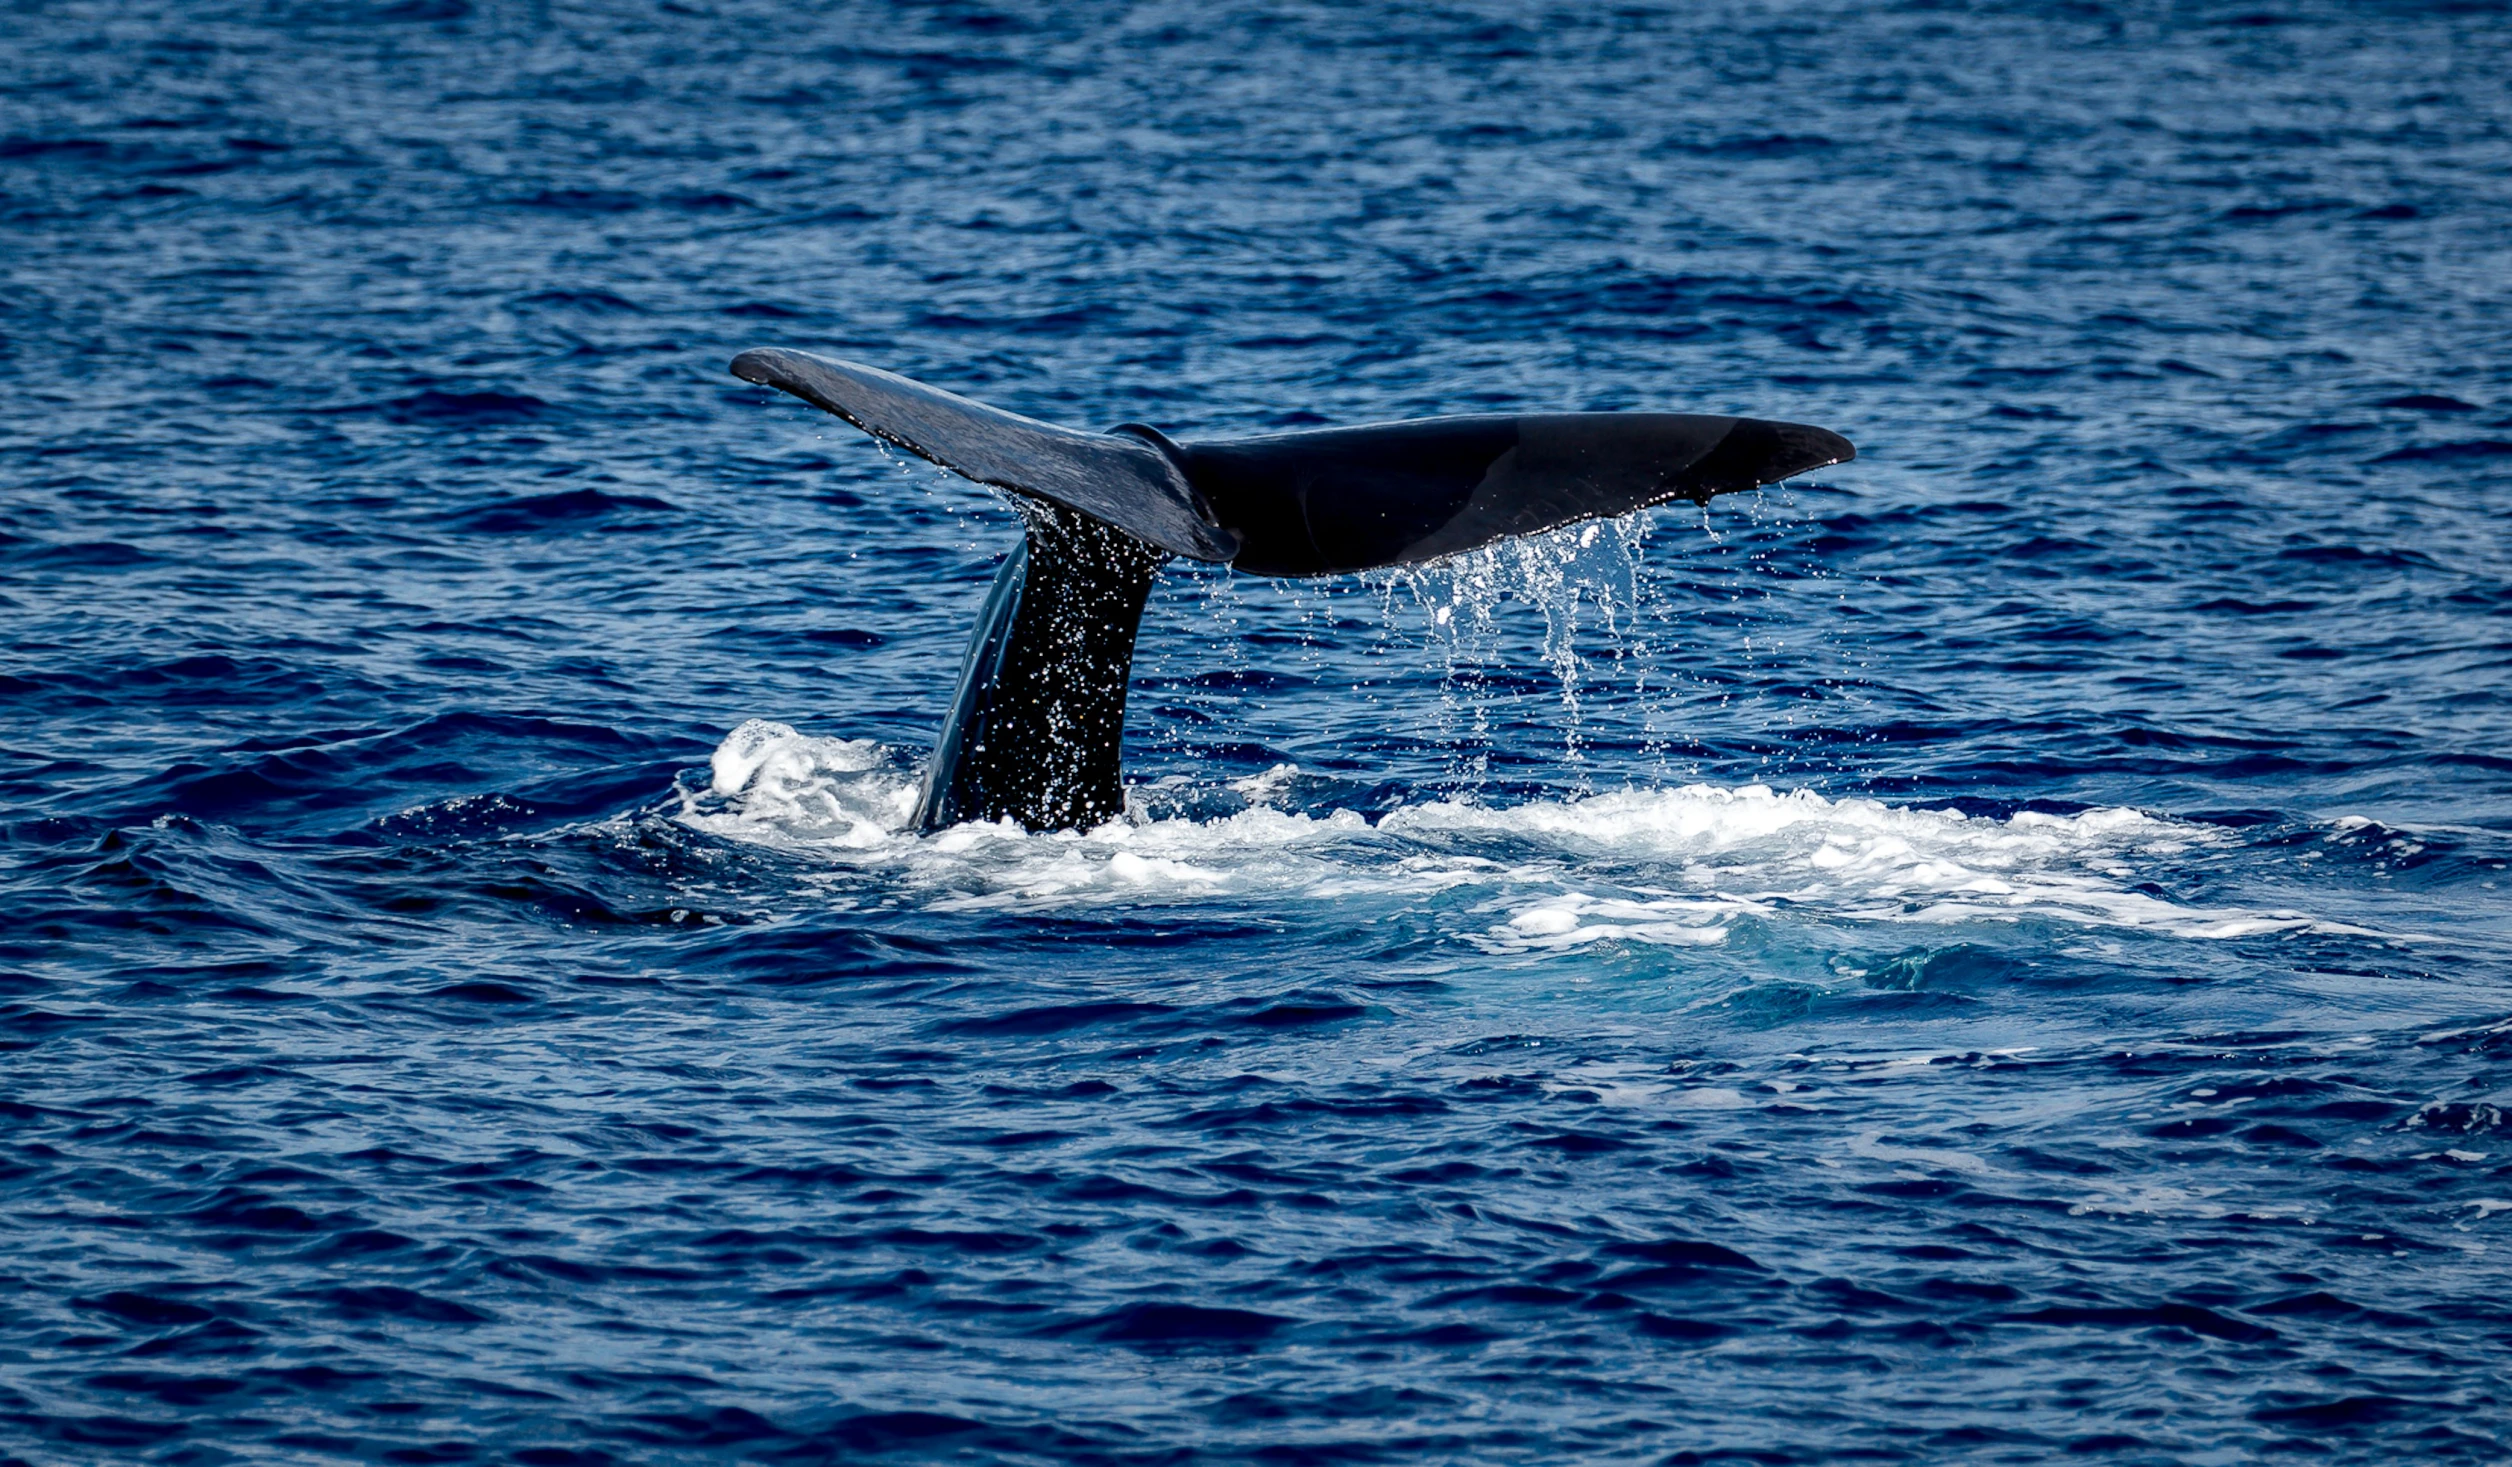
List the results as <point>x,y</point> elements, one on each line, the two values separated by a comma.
<point>1036,729</point>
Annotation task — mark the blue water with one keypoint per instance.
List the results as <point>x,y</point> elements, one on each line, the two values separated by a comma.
<point>1997,951</point>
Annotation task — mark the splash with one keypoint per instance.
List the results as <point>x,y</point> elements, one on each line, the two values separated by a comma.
<point>1667,867</point>
<point>1588,576</point>
<point>792,788</point>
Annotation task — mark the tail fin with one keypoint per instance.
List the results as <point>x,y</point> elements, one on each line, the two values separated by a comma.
<point>1037,727</point>
<point>1337,499</point>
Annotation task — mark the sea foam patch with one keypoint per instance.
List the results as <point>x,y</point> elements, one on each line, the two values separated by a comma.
<point>1672,867</point>
<point>780,786</point>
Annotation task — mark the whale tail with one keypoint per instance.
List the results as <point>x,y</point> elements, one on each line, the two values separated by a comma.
<point>1037,727</point>
<point>1035,731</point>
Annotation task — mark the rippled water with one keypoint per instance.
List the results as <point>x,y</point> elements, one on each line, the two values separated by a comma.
<point>2001,950</point>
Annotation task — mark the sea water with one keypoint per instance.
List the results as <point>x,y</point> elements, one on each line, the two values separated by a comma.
<point>1998,950</point>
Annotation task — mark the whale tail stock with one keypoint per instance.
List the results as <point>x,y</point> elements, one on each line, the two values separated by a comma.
<point>1036,728</point>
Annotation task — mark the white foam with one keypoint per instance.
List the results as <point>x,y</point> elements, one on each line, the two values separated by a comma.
<point>792,789</point>
<point>1662,867</point>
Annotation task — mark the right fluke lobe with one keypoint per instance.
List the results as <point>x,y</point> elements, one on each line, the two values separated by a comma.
<point>1347,499</point>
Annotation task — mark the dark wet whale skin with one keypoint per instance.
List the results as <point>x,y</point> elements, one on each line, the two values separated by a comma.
<point>385,542</point>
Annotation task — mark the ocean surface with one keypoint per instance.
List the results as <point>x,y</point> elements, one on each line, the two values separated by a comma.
<point>1999,951</point>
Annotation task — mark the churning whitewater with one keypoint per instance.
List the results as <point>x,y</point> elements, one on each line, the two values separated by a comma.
<point>1682,866</point>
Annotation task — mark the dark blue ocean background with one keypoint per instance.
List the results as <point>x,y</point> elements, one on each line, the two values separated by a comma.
<point>1999,951</point>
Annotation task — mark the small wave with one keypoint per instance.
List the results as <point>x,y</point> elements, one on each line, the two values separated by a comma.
<point>431,406</point>
<point>2449,452</point>
<point>1664,867</point>
<point>537,513</point>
